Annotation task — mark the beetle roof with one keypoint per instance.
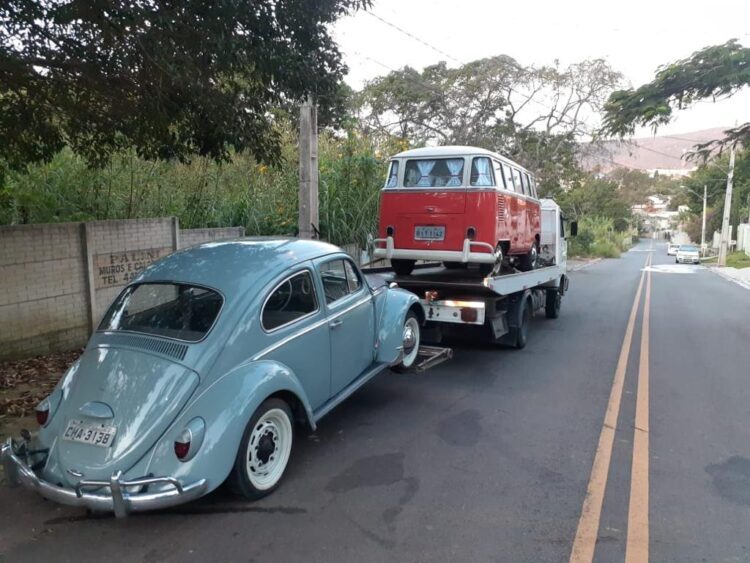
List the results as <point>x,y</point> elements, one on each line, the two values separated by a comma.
<point>232,266</point>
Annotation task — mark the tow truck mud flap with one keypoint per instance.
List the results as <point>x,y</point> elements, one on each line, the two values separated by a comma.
<point>430,356</point>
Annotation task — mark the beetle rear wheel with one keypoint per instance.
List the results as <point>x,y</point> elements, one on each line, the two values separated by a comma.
<point>264,451</point>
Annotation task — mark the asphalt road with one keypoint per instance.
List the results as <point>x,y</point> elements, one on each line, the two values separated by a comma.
<point>498,455</point>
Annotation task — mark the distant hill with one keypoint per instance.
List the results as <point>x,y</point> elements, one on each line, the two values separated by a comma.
<point>662,152</point>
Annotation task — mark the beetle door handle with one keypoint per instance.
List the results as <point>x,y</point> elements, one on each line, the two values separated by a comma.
<point>335,324</point>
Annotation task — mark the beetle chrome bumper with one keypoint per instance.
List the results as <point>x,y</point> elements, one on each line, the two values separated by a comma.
<point>119,501</point>
<point>464,255</point>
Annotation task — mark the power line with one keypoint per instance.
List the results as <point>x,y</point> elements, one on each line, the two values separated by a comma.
<point>451,57</point>
<point>408,34</point>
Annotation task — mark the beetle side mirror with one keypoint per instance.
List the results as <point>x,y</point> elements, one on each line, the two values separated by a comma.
<point>574,228</point>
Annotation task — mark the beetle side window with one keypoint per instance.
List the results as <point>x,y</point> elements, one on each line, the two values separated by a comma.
<point>352,277</point>
<point>335,283</point>
<point>291,300</point>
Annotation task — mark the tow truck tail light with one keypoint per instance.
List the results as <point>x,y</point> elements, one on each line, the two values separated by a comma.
<point>469,315</point>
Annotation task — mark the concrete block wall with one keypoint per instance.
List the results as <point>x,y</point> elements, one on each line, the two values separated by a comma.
<point>57,280</point>
<point>191,237</point>
<point>121,249</point>
<point>43,304</point>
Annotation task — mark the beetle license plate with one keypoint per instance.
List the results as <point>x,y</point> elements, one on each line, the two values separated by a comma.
<point>429,233</point>
<point>92,433</point>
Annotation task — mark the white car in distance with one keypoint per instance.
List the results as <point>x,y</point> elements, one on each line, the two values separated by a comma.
<point>672,249</point>
<point>687,254</point>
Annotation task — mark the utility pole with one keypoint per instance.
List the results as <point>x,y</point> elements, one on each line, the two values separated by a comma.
<point>725,234</point>
<point>308,170</point>
<point>703,226</point>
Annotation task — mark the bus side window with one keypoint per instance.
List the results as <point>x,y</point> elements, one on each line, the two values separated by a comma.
<point>499,176</point>
<point>509,179</point>
<point>520,188</point>
<point>533,187</point>
<point>527,185</point>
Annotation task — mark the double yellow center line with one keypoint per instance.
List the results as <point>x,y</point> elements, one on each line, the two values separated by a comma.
<point>588,525</point>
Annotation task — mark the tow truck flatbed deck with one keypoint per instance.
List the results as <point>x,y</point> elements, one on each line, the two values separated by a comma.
<point>471,281</point>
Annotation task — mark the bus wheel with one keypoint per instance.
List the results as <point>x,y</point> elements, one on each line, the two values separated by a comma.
<point>529,261</point>
<point>402,267</point>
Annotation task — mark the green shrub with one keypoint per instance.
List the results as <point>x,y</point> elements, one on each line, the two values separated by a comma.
<point>597,236</point>
<point>203,193</point>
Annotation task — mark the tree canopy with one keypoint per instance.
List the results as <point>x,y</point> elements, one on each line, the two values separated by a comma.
<point>168,78</point>
<point>536,115</point>
<point>712,72</point>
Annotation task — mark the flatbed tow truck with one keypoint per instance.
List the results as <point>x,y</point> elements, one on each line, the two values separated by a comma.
<point>497,308</point>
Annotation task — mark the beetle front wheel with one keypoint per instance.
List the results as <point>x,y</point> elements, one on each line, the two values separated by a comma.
<point>264,451</point>
<point>410,340</point>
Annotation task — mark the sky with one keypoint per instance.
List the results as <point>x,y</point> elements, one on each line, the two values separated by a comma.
<point>634,37</point>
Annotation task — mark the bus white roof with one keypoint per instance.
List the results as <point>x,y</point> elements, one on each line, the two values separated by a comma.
<point>453,150</point>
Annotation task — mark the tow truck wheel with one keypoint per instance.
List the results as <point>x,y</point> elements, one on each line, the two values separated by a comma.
<point>402,267</point>
<point>522,330</point>
<point>411,340</point>
<point>552,304</point>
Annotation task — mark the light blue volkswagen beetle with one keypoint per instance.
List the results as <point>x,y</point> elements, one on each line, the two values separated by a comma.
<point>202,367</point>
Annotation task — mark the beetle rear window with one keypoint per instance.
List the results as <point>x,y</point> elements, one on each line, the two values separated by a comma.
<point>181,311</point>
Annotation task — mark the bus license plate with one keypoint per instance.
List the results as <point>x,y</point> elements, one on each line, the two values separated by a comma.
<point>91,433</point>
<point>429,233</point>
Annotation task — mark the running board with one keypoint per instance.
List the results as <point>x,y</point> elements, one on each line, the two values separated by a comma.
<point>431,356</point>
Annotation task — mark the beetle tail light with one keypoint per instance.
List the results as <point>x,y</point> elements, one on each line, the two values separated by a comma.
<point>182,445</point>
<point>41,417</point>
<point>42,412</point>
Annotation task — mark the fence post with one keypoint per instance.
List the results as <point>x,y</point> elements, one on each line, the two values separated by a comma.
<point>88,261</point>
<point>308,170</point>
<point>175,233</point>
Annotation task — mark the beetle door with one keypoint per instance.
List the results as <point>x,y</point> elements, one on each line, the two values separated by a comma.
<point>351,320</point>
<point>292,314</point>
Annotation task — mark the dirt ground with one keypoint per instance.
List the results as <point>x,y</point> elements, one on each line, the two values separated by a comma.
<point>23,383</point>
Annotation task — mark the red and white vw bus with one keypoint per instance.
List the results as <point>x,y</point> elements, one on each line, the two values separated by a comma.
<point>458,205</point>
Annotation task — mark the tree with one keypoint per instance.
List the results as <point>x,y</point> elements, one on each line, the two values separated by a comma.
<point>533,114</point>
<point>713,175</point>
<point>169,78</point>
<point>596,197</point>
<point>712,72</point>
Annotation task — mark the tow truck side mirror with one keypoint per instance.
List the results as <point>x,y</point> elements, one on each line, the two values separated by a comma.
<point>574,228</point>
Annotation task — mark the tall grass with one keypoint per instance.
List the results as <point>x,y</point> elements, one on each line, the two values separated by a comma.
<point>597,237</point>
<point>203,193</point>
